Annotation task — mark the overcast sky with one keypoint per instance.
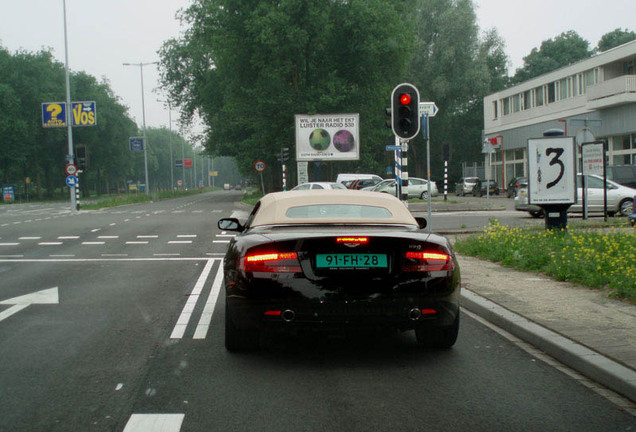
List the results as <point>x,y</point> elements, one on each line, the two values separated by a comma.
<point>104,34</point>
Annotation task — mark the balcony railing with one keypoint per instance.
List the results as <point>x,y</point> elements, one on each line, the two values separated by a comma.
<point>613,87</point>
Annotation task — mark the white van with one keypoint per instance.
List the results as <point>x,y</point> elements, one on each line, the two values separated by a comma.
<point>350,177</point>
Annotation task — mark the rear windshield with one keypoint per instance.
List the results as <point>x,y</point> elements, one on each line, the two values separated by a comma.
<point>338,211</point>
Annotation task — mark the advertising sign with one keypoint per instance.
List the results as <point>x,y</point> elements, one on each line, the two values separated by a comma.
<point>552,170</point>
<point>593,156</point>
<point>303,172</point>
<point>83,113</point>
<point>187,163</point>
<point>327,137</point>
<point>8,193</point>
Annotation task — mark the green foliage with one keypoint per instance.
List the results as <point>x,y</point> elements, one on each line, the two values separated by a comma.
<point>563,50</point>
<point>601,259</point>
<point>614,39</point>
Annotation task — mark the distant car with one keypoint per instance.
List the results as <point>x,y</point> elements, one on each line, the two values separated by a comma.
<point>417,188</point>
<point>227,186</point>
<point>359,184</point>
<point>318,186</point>
<point>341,178</point>
<point>337,260</point>
<point>465,185</point>
<point>620,198</point>
<point>514,185</point>
<point>480,188</point>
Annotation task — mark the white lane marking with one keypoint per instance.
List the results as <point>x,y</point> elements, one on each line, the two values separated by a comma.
<point>61,256</point>
<point>27,221</point>
<point>147,236</point>
<point>226,235</point>
<point>50,243</point>
<point>126,220</point>
<point>96,229</point>
<point>9,244</point>
<point>154,423</point>
<point>186,235</point>
<point>220,241</point>
<point>186,313</point>
<point>107,237</point>
<point>197,211</point>
<point>179,241</point>
<point>18,223</point>
<point>47,296</point>
<point>93,243</point>
<point>70,237</point>
<point>114,255</point>
<point>29,238</point>
<point>136,242</point>
<point>113,224</point>
<point>5,224</point>
<point>11,256</point>
<point>166,254</point>
<point>217,211</point>
<point>206,317</point>
<point>76,260</point>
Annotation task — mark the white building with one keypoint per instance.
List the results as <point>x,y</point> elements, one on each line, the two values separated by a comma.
<point>597,95</point>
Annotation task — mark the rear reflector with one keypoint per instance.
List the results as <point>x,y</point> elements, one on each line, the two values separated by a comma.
<point>273,313</point>
<point>429,311</point>
<point>271,262</point>
<point>427,261</point>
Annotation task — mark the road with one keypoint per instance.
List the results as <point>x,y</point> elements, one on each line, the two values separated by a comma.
<point>127,331</point>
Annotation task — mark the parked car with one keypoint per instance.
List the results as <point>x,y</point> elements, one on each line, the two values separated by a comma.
<point>335,260</point>
<point>417,188</point>
<point>623,174</point>
<point>632,217</point>
<point>480,188</point>
<point>514,185</point>
<point>341,178</point>
<point>359,184</point>
<point>465,185</point>
<point>318,186</point>
<point>619,198</point>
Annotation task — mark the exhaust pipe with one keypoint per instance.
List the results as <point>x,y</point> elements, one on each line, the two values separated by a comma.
<point>415,314</point>
<point>288,315</point>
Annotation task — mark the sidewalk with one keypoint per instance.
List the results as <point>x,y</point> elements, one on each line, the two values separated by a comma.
<point>578,326</point>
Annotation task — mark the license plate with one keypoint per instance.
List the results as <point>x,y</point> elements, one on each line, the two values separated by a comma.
<point>351,261</point>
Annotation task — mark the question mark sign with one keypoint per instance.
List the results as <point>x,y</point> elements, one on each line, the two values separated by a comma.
<point>54,109</point>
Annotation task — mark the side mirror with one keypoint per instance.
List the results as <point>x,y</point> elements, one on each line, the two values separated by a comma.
<point>230,224</point>
<point>421,222</point>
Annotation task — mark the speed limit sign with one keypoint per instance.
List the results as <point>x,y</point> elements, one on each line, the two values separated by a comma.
<point>71,169</point>
<point>259,166</point>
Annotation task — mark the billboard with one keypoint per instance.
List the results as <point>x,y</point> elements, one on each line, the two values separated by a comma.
<point>552,171</point>
<point>83,113</point>
<point>327,137</point>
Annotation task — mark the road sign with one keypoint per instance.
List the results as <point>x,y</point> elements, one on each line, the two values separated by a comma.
<point>393,147</point>
<point>71,181</point>
<point>428,108</point>
<point>178,163</point>
<point>259,166</point>
<point>71,169</point>
<point>552,171</point>
<point>593,157</point>
<point>136,143</point>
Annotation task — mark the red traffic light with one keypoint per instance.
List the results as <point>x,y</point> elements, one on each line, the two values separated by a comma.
<point>405,98</point>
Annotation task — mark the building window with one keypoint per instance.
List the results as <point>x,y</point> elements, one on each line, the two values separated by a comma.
<point>516,103</point>
<point>551,92</point>
<point>495,109</point>
<point>563,89</point>
<point>506,106</point>
<point>538,96</point>
<point>620,143</point>
<point>527,99</point>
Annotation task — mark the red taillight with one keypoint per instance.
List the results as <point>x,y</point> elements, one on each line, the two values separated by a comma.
<point>360,240</point>
<point>271,262</point>
<point>428,261</point>
<point>273,313</point>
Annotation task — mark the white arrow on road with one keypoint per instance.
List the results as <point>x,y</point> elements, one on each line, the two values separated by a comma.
<point>47,296</point>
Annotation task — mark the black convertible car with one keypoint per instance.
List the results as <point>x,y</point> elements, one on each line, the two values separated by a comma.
<point>334,259</point>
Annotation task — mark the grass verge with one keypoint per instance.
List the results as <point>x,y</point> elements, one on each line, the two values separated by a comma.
<point>599,258</point>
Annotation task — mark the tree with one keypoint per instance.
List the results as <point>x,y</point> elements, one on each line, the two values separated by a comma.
<point>248,68</point>
<point>614,39</point>
<point>563,50</point>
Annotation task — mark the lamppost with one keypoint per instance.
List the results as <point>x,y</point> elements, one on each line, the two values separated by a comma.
<point>170,143</point>
<point>143,111</point>
<point>68,119</point>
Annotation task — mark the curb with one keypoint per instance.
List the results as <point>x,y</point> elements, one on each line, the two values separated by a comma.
<point>592,364</point>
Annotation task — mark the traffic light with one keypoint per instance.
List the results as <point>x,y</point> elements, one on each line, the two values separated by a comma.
<point>81,159</point>
<point>405,111</point>
<point>284,154</point>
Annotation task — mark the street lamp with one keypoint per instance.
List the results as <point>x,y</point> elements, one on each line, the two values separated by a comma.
<point>170,143</point>
<point>143,110</point>
<point>69,125</point>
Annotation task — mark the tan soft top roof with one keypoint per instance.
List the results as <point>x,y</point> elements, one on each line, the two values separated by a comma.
<point>274,207</point>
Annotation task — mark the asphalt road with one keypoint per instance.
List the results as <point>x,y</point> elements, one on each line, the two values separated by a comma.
<point>127,333</point>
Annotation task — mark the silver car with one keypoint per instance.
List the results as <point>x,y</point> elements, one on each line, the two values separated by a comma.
<point>620,198</point>
<point>418,187</point>
<point>319,185</point>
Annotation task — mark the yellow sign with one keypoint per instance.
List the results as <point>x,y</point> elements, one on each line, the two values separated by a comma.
<point>213,174</point>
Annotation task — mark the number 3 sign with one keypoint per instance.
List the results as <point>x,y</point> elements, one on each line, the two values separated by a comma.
<point>552,171</point>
